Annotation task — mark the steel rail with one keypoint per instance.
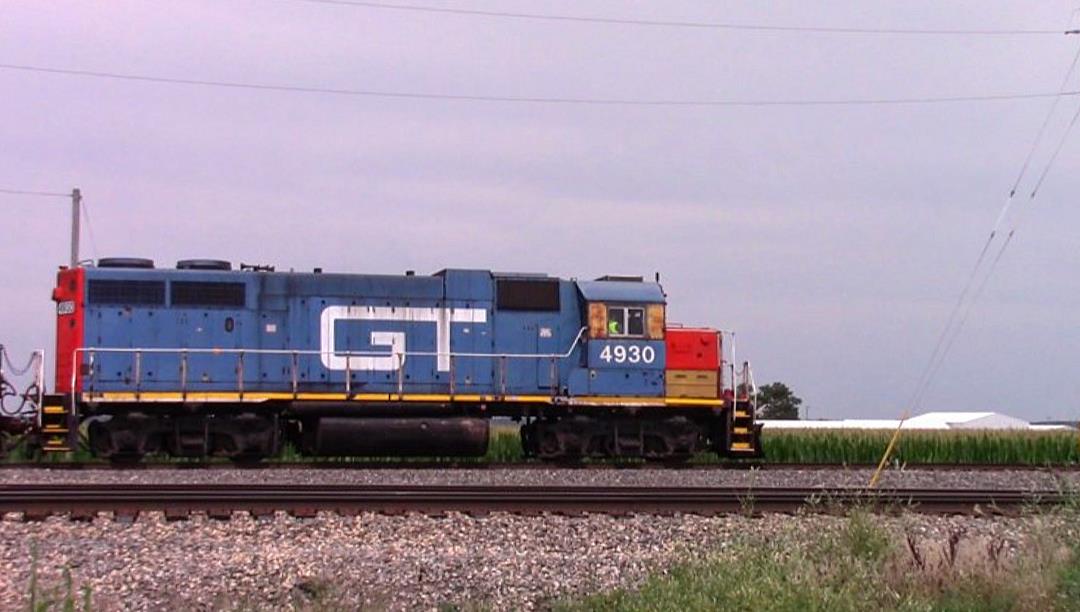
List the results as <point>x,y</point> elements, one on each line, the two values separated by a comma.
<point>451,464</point>
<point>81,501</point>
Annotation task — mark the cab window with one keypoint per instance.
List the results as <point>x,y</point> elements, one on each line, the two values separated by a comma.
<point>626,321</point>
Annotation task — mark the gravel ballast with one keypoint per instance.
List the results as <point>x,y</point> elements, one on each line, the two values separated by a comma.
<point>386,562</point>
<point>410,562</point>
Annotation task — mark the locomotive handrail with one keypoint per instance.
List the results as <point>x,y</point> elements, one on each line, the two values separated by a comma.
<point>296,353</point>
<point>751,387</point>
<point>313,352</point>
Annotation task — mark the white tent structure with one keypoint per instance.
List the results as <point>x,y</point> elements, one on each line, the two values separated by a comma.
<point>928,420</point>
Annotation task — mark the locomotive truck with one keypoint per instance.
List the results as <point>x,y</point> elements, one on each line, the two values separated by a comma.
<point>206,360</point>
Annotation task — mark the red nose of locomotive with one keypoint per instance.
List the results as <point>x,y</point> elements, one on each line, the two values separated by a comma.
<point>68,295</point>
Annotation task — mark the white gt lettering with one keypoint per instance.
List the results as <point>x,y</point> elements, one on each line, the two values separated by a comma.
<point>394,340</point>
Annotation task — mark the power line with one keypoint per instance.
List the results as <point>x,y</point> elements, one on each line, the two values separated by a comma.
<point>43,194</point>
<point>1039,134</point>
<point>89,228</point>
<point>1057,151</point>
<point>1008,240</point>
<point>417,8</point>
<point>931,366</point>
<point>967,311</point>
<point>532,99</point>
<point>950,333</point>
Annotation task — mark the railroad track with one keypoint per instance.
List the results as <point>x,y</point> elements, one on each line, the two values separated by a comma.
<point>80,501</point>
<point>467,465</point>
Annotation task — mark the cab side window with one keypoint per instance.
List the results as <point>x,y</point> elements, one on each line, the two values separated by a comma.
<point>626,321</point>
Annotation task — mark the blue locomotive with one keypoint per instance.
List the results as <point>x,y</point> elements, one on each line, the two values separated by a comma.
<point>206,360</point>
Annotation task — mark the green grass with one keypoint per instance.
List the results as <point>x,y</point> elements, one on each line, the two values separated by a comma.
<point>861,566</point>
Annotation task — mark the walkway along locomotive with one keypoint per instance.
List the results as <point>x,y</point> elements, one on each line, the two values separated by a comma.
<point>206,360</point>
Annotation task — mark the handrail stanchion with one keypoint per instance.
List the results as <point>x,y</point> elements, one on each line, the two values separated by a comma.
<point>41,381</point>
<point>240,374</point>
<point>554,378</point>
<point>90,368</point>
<point>183,375</point>
<point>502,376</point>
<point>295,367</point>
<point>138,375</point>
<point>400,359</point>
<point>74,378</point>
<point>348,375</point>
<point>453,375</point>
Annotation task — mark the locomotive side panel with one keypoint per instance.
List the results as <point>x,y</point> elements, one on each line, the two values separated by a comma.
<point>148,333</point>
<point>469,294</point>
<point>537,325</point>
<point>366,330</point>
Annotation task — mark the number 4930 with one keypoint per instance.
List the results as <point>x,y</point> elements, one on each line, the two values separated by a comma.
<point>622,353</point>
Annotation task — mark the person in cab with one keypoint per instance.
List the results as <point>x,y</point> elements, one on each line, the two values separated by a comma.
<point>613,327</point>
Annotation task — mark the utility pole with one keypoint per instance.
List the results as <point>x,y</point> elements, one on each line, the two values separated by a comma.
<point>76,202</point>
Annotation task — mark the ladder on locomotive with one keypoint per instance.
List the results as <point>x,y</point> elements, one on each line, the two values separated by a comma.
<point>743,436</point>
<point>58,428</point>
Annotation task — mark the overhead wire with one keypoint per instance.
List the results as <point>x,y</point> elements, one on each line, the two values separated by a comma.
<point>930,368</point>
<point>1057,151</point>
<point>954,325</point>
<point>531,99</point>
<point>975,298</point>
<point>84,209</point>
<point>89,227</point>
<point>1012,231</point>
<point>446,10</point>
<point>1020,215</point>
<point>29,192</point>
<point>1042,130</point>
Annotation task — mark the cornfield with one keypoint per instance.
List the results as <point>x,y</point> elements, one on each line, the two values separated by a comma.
<point>838,447</point>
<point>976,447</point>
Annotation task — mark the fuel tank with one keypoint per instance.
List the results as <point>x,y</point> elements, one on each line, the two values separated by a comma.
<point>396,437</point>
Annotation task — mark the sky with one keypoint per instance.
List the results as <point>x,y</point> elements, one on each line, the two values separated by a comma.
<point>834,239</point>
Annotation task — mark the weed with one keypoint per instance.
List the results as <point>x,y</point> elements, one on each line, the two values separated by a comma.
<point>863,539</point>
<point>56,597</point>
<point>859,565</point>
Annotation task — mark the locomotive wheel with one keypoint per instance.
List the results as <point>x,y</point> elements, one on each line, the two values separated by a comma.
<point>672,440</point>
<point>123,439</point>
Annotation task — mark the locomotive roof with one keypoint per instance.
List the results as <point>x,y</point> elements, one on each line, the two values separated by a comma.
<point>603,290</point>
<point>621,291</point>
